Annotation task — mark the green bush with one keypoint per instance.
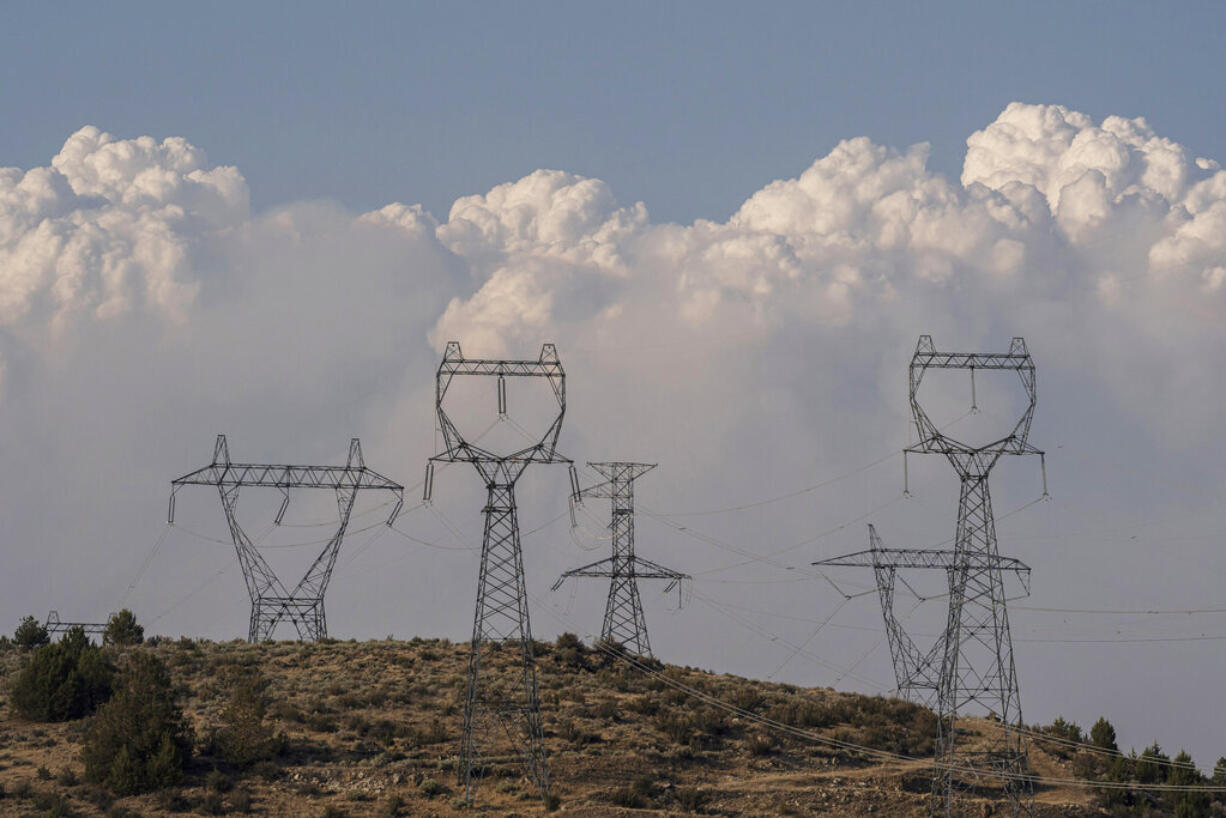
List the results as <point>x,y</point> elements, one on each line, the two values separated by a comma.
<point>62,681</point>
<point>1151,766</point>
<point>123,630</point>
<point>1219,772</point>
<point>1102,735</point>
<point>139,740</point>
<point>244,736</point>
<point>569,651</point>
<point>30,634</point>
<point>1066,730</point>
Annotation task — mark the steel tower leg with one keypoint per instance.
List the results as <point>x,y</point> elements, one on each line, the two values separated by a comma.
<point>623,618</point>
<point>978,665</point>
<point>502,694</point>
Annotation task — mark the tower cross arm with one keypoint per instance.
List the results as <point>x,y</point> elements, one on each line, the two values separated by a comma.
<point>484,366</point>
<point>974,360</point>
<point>927,357</point>
<point>618,475</point>
<point>938,443</point>
<point>282,476</point>
<point>926,558</point>
<point>608,567</point>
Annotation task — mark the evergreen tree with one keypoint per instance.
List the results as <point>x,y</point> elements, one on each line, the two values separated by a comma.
<point>139,740</point>
<point>30,634</point>
<point>244,736</point>
<point>123,630</point>
<point>1151,767</point>
<point>62,681</point>
<point>1102,735</point>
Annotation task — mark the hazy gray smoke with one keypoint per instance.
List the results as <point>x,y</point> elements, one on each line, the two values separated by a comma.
<point>144,308</point>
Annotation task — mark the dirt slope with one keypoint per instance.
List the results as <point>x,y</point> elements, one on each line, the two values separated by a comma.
<point>371,728</point>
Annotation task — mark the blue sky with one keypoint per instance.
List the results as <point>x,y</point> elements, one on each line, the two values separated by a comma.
<point>687,107</point>
<point>285,291</point>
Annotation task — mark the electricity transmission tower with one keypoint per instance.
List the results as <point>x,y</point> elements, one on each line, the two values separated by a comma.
<point>501,695</point>
<point>54,625</point>
<point>972,662</point>
<point>623,613</point>
<point>270,602</point>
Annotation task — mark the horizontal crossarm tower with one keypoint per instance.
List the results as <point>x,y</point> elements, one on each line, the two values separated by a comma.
<point>972,663</point>
<point>54,625</point>
<point>271,602</point>
<point>916,671</point>
<point>624,622</point>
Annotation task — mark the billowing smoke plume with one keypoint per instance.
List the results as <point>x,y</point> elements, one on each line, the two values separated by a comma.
<point>143,308</point>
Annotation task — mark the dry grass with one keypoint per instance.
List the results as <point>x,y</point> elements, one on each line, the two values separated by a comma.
<point>371,729</point>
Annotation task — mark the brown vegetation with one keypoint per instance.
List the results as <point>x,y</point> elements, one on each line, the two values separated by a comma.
<point>355,729</point>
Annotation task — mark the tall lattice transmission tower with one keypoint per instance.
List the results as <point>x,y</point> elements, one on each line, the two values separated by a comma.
<point>971,664</point>
<point>271,603</point>
<point>623,613</point>
<point>501,695</point>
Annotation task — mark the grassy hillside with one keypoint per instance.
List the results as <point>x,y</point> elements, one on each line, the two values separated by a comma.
<point>371,728</point>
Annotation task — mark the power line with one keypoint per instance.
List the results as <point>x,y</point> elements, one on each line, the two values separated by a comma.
<point>787,496</point>
<point>861,749</point>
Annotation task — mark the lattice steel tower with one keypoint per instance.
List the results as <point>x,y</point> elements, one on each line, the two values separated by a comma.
<point>623,613</point>
<point>270,602</point>
<point>500,697</point>
<point>972,662</point>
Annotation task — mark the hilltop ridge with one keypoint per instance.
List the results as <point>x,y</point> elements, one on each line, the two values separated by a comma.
<point>371,728</point>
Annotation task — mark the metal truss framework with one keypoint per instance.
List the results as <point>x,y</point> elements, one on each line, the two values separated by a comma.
<point>623,614</point>
<point>917,673</point>
<point>499,700</point>
<point>972,663</point>
<point>54,625</point>
<point>270,601</point>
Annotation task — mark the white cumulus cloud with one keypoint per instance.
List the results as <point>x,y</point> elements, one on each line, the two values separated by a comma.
<point>110,227</point>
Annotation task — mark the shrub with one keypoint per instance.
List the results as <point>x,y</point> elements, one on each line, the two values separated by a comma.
<point>692,799</point>
<point>1151,766</point>
<point>569,651</point>
<point>245,737</point>
<point>139,740</point>
<point>217,781</point>
<point>761,745</point>
<point>241,801</point>
<point>62,681</point>
<point>123,630</point>
<point>1066,730</point>
<point>30,634</point>
<point>636,796</point>
<point>1102,735</point>
<point>51,805</point>
<point>1219,772</point>
<point>393,807</point>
